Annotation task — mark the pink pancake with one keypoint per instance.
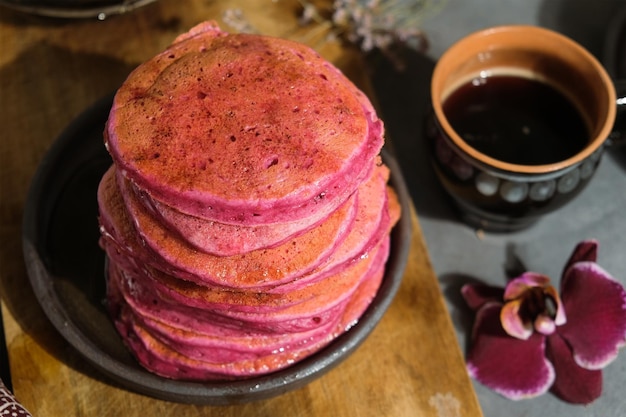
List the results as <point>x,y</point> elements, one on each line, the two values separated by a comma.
<point>159,286</point>
<point>224,239</point>
<point>306,309</point>
<point>260,268</point>
<point>162,360</point>
<point>307,315</point>
<point>372,224</point>
<point>187,355</point>
<point>228,342</point>
<point>242,129</point>
<point>278,298</point>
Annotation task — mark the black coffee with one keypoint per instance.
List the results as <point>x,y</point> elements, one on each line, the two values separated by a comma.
<point>517,120</point>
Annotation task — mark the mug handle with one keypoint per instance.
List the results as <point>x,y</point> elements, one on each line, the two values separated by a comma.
<point>618,135</point>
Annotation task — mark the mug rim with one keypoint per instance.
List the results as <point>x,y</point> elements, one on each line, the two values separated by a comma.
<point>594,144</point>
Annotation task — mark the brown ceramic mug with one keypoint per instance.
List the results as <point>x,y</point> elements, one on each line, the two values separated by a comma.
<point>521,115</point>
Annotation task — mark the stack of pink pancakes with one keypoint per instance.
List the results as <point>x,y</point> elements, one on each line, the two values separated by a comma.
<point>246,217</point>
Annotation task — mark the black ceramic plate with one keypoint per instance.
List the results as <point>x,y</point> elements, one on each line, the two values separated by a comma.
<point>66,270</point>
<point>75,8</point>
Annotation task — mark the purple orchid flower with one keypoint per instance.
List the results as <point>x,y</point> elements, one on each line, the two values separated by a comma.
<point>527,339</point>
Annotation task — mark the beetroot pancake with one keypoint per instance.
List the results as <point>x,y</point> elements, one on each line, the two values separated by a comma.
<point>370,223</point>
<point>224,239</point>
<point>300,290</point>
<point>228,343</point>
<point>246,218</point>
<point>324,306</point>
<point>377,212</point>
<point>304,309</point>
<point>267,267</point>
<point>242,129</point>
<point>162,360</point>
<point>188,355</point>
<point>160,286</point>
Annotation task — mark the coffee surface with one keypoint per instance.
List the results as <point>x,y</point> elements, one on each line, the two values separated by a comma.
<point>516,120</point>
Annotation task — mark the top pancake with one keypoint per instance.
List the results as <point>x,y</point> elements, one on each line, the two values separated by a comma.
<point>242,129</point>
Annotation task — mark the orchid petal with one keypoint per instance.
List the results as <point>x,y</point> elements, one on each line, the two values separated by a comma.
<point>585,251</point>
<point>515,369</point>
<point>512,322</point>
<point>518,286</point>
<point>572,384</point>
<point>476,295</point>
<point>596,314</point>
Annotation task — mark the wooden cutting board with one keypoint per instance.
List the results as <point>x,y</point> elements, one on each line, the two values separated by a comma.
<point>50,70</point>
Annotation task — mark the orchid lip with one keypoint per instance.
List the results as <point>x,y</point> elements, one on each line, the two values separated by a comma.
<point>544,325</point>
<point>532,304</point>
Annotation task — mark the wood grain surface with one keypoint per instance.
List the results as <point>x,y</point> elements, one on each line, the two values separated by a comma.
<point>50,71</point>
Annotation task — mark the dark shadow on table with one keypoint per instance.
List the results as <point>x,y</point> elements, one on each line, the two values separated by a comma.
<point>404,100</point>
<point>462,316</point>
<point>80,74</point>
<point>582,20</point>
<point>452,282</point>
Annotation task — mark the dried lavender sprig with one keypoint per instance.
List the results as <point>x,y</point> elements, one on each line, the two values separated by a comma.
<point>376,23</point>
<point>236,19</point>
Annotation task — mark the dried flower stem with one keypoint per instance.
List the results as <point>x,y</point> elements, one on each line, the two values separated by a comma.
<point>373,24</point>
<point>236,19</point>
